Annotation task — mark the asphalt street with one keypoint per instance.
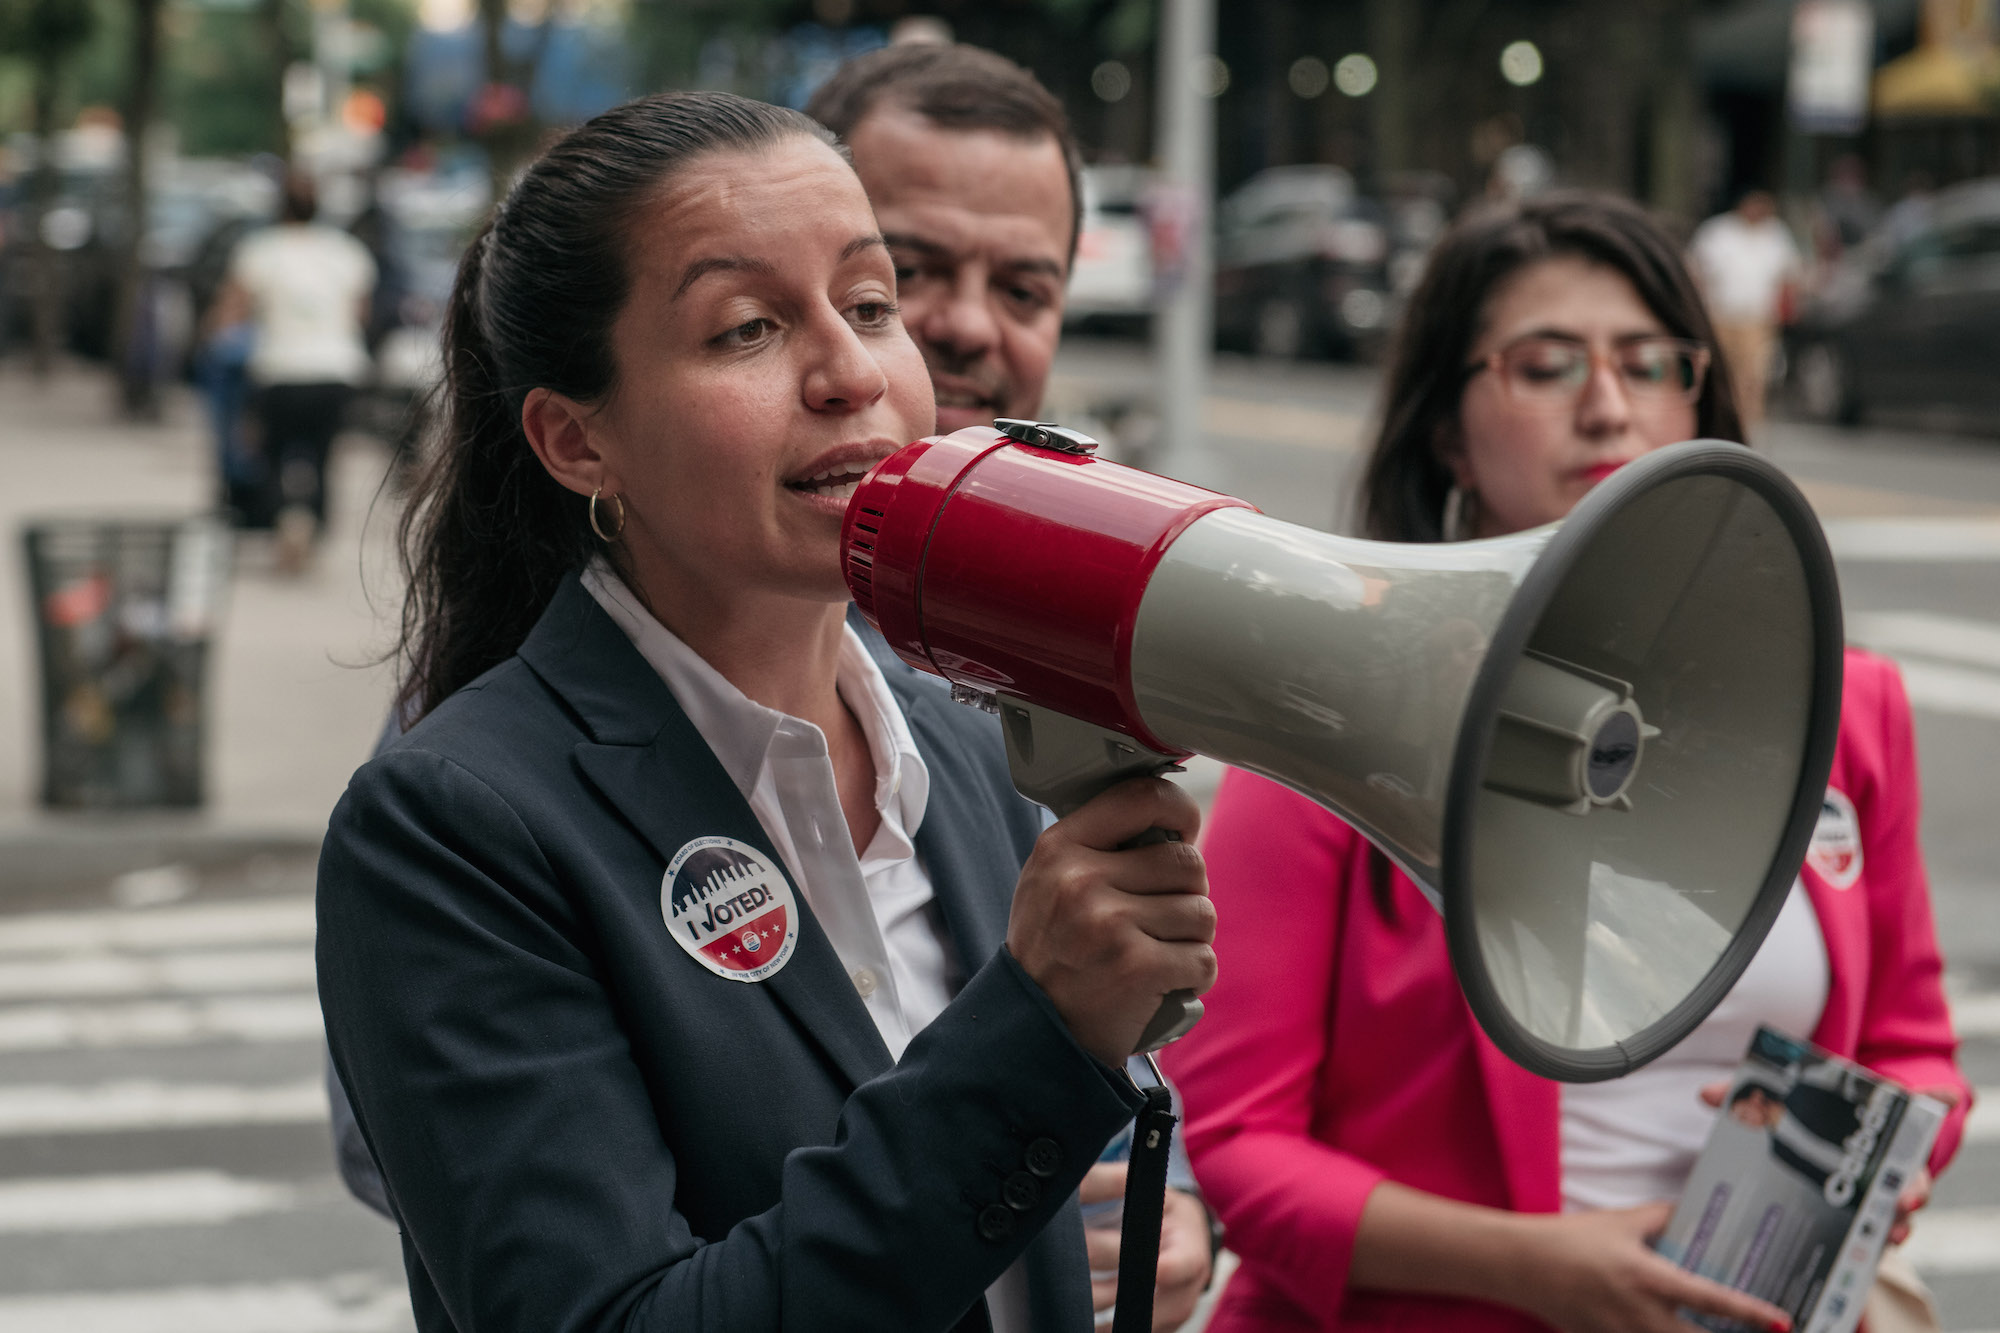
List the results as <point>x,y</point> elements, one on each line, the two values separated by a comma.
<point>164,1161</point>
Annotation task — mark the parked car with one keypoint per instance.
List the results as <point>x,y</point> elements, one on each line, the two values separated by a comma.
<point>1111,283</point>
<point>1302,266</point>
<point>1909,326</point>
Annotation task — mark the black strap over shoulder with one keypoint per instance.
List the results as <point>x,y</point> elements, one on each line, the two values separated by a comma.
<point>1145,1204</point>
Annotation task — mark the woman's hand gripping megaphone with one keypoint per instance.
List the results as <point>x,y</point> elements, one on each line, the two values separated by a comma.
<point>1112,915</point>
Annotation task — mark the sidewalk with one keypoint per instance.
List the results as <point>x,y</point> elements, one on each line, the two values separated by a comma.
<point>295,697</point>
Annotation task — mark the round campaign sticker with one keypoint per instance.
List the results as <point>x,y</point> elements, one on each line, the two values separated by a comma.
<point>730,908</point>
<point>1835,850</point>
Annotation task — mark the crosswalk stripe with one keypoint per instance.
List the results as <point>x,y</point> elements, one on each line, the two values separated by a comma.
<point>191,925</point>
<point>1922,540</point>
<point>141,1104</point>
<point>80,976</point>
<point>1924,634</point>
<point>50,1027</point>
<point>1976,1014</point>
<point>1951,689</point>
<point>165,1198</point>
<point>351,1303</point>
<point>1982,1124</point>
<point>1955,1240</point>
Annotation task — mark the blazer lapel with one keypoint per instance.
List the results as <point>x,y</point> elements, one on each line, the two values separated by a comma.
<point>971,867</point>
<point>650,763</point>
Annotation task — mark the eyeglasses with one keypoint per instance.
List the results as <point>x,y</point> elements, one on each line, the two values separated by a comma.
<point>1547,370</point>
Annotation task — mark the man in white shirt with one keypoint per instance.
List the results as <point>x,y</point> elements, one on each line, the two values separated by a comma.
<point>1747,264</point>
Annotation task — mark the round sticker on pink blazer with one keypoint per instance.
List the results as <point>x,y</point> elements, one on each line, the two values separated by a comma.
<point>729,908</point>
<point>1835,850</point>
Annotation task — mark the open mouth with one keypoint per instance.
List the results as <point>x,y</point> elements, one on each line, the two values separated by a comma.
<point>835,483</point>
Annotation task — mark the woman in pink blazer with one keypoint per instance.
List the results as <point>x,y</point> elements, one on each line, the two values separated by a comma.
<point>1377,1162</point>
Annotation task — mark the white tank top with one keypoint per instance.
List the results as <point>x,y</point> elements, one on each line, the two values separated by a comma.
<point>1633,1140</point>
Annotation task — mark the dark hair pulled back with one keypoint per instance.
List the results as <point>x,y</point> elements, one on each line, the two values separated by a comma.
<point>1403,490</point>
<point>489,535</point>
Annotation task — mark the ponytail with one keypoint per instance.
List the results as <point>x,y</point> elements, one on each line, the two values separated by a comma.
<point>489,536</point>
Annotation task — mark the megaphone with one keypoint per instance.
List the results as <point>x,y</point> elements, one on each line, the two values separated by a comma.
<point>1599,747</point>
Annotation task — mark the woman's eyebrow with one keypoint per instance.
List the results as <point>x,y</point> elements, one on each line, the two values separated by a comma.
<point>1572,336</point>
<point>701,268</point>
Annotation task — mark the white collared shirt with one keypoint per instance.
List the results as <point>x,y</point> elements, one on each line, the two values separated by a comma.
<point>877,909</point>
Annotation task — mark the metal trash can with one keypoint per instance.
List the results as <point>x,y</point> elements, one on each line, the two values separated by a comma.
<point>125,612</point>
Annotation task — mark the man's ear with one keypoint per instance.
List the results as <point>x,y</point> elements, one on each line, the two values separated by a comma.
<point>558,430</point>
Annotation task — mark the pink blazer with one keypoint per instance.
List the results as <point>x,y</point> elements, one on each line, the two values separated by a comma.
<point>1338,1051</point>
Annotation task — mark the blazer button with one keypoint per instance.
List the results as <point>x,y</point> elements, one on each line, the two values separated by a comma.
<point>1044,1157</point>
<point>1021,1191</point>
<point>996,1223</point>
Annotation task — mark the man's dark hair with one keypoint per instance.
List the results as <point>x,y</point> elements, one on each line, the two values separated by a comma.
<point>955,87</point>
<point>298,198</point>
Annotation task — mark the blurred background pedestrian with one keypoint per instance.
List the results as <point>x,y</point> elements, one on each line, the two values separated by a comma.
<point>1749,268</point>
<point>300,292</point>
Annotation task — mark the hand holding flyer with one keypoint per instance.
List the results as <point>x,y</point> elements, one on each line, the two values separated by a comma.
<point>1796,1192</point>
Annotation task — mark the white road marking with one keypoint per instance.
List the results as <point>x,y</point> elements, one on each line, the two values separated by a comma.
<point>81,976</point>
<point>143,1104</point>
<point>1982,1125</point>
<point>351,1303</point>
<point>1918,540</point>
<point>195,925</point>
<point>50,1027</point>
<point>1974,1013</point>
<point>1955,1240</point>
<point>1949,664</point>
<point>1950,689</point>
<point>1922,634</point>
<point>110,1203</point>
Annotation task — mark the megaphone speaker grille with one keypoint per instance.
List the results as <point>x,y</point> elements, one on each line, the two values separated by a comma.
<point>1656,713</point>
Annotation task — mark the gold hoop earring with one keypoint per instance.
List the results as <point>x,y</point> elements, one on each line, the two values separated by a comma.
<point>608,538</point>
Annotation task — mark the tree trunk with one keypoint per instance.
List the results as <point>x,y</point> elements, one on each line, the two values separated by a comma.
<point>1392,33</point>
<point>45,266</point>
<point>1676,124</point>
<point>134,347</point>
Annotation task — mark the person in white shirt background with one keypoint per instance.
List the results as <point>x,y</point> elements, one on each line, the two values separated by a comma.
<point>304,287</point>
<point>1747,265</point>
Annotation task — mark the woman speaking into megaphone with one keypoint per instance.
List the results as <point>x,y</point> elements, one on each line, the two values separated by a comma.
<point>663,957</point>
<point>1377,1162</point>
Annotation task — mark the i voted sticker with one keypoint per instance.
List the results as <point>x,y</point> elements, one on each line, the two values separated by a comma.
<point>1835,850</point>
<point>730,908</point>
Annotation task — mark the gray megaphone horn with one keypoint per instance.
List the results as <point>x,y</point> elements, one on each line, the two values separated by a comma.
<point>1599,746</point>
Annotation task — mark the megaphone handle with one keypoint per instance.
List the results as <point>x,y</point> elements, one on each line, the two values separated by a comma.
<point>1061,763</point>
<point>1179,1010</point>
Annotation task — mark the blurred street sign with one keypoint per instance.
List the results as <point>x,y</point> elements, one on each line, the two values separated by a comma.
<point>1833,55</point>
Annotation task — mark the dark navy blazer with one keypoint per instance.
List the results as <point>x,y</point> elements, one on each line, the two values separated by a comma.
<point>582,1128</point>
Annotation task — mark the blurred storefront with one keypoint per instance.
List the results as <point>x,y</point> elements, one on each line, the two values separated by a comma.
<point>1935,107</point>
